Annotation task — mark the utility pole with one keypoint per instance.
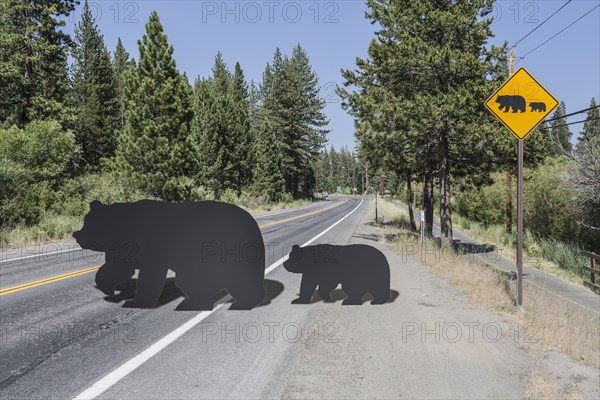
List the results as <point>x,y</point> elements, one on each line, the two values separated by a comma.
<point>520,156</point>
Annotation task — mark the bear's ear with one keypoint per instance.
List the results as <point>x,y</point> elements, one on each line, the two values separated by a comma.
<point>95,204</point>
<point>295,248</point>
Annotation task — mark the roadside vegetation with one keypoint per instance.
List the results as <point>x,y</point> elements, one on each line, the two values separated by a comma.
<point>79,122</point>
<point>559,325</point>
<point>424,134</point>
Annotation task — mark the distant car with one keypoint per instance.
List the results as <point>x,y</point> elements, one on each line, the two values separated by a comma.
<point>325,195</point>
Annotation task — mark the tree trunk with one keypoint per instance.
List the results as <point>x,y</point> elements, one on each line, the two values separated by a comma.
<point>509,207</point>
<point>409,200</point>
<point>445,201</point>
<point>428,204</point>
<point>27,86</point>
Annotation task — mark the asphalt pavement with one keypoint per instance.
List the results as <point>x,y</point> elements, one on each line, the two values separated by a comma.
<point>60,337</point>
<point>64,339</point>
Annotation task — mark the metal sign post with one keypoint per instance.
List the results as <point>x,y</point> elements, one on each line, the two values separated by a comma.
<point>422,227</point>
<point>520,155</point>
<point>520,169</point>
<point>521,104</point>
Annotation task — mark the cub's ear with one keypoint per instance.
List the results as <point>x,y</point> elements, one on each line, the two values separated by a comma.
<point>95,204</point>
<point>295,248</point>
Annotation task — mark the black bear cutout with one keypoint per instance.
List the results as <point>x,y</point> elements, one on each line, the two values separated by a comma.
<point>359,268</point>
<point>516,103</point>
<point>537,107</point>
<point>209,245</point>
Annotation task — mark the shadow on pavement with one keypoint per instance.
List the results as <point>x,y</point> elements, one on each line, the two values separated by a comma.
<point>338,295</point>
<point>126,291</point>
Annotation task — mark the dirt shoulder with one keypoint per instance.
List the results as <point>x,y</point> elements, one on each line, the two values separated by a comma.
<point>436,341</point>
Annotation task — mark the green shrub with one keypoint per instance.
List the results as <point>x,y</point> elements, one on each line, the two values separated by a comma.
<point>230,196</point>
<point>34,162</point>
<point>486,204</point>
<point>286,198</point>
<point>548,204</point>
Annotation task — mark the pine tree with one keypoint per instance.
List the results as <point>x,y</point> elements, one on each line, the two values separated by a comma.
<point>240,87</point>
<point>591,126</point>
<point>267,179</point>
<point>33,60</point>
<point>560,133</point>
<point>214,120</point>
<point>242,127</point>
<point>156,152</point>
<point>222,127</point>
<point>95,96</point>
<point>423,91</point>
<point>292,105</point>
<point>121,64</point>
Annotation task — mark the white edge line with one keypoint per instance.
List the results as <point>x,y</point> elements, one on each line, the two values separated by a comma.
<point>116,375</point>
<point>40,255</point>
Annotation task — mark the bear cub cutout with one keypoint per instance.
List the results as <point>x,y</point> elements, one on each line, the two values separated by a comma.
<point>209,245</point>
<point>360,269</point>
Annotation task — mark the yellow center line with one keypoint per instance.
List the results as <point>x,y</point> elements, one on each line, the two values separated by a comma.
<point>47,280</point>
<point>56,278</point>
<point>303,215</point>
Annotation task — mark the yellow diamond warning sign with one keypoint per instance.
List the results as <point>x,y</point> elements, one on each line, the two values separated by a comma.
<point>521,103</point>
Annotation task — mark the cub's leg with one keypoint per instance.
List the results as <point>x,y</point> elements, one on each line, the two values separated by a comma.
<point>326,287</point>
<point>151,281</point>
<point>354,291</point>
<point>381,297</point>
<point>307,288</point>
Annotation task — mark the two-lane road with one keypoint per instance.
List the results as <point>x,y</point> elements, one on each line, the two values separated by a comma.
<point>60,335</point>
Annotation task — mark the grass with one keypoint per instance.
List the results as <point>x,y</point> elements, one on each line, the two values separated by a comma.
<point>559,324</point>
<point>556,258</point>
<point>562,260</point>
<point>50,227</point>
<point>61,227</point>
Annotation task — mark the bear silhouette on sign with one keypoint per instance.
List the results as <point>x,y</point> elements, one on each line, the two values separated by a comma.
<point>516,103</point>
<point>209,245</point>
<point>359,268</point>
<point>539,107</point>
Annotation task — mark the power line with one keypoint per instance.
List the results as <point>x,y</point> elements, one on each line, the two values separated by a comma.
<point>576,122</point>
<point>561,31</point>
<point>537,27</point>
<point>573,113</point>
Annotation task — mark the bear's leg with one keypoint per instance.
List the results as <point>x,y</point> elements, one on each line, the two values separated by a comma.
<point>200,295</point>
<point>307,288</point>
<point>201,302</point>
<point>110,275</point>
<point>149,287</point>
<point>247,297</point>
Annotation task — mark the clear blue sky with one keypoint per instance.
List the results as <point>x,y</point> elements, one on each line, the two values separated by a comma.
<point>335,32</point>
